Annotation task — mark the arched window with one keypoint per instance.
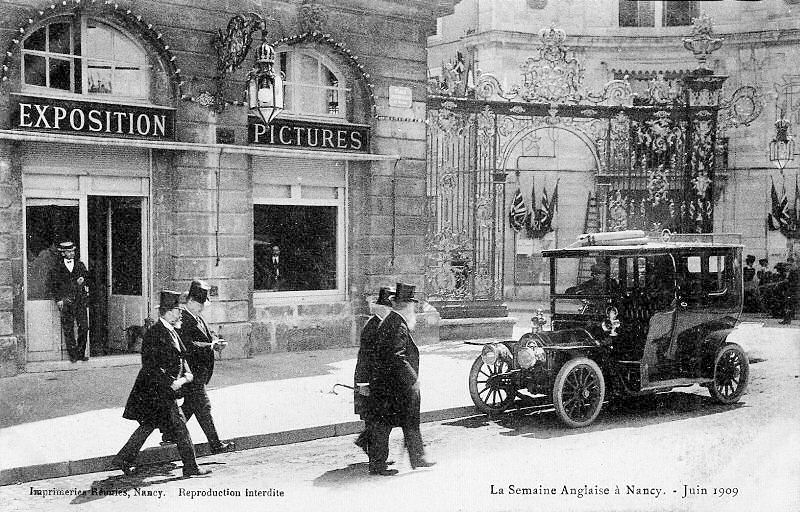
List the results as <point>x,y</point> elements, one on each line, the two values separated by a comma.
<point>84,56</point>
<point>312,87</point>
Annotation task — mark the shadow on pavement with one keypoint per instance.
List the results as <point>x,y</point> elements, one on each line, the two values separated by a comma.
<point>125,485</point>
<point>542,423</point>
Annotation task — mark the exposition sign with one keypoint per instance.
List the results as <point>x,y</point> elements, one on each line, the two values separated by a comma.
<point>59,115</point>
<point>293,133</point>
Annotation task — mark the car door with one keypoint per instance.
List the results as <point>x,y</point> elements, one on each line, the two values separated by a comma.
<point>707,295</point>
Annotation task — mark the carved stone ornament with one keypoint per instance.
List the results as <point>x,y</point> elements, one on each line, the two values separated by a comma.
<point>702,43</point>
<point>311,17</point>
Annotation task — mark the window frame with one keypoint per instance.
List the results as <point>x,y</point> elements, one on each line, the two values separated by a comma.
<point>81,23</point>
<point>266,297</point>
<point>322,61</point>
<point>659,12</point>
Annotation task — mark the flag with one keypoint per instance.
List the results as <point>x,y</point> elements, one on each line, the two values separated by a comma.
<point>530,218</point>
<point>778,217</point>
<point>518,212</point>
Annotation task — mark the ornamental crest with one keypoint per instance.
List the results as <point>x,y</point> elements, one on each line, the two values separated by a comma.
<point>553,76</point>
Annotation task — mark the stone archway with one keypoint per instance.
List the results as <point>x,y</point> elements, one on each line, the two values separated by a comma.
<point>541,161</point>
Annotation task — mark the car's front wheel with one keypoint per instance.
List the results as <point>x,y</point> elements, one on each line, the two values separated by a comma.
<point>579,392</point>
<point>486,389</point>
<point>731,372</point>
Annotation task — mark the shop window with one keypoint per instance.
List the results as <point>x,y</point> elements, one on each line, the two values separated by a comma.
<point>295,248</point>
<point>84,56</point>
<point>312,87</point>
<point>634,13</point>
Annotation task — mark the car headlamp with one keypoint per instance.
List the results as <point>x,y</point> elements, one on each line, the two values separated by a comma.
<point>489,354</point>
<point>529,353</point>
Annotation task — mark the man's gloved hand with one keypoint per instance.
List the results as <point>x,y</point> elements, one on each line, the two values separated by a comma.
<point>363,389</point>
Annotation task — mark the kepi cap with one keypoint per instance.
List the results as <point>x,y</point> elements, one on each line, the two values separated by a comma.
<point>198,291</point>
<point>384,295</point>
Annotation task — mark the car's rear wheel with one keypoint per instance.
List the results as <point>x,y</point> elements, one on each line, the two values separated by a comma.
<point>731,373</point>
<point>578,392</point>
<point>487,392</point>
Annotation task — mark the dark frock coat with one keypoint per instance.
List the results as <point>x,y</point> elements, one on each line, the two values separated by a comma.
<point>63,283</point>
<point>152,396</point>
<point>197,338</point>
<point>396,369</point>
<point>364,365</point>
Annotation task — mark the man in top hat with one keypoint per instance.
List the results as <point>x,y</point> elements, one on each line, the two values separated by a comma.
<point>159,387</point>
<point>67,281</point>
<point>200,343</point>
<point>365,363</point>
<point>394,386</point>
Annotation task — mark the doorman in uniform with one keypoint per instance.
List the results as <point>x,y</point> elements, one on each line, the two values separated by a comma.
<point>394,386</point>
<point>364,366</point>
<point>69,287</point>
<point>200,343</point>
<point>159,387</point>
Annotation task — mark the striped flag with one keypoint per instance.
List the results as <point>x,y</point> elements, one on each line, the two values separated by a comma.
<point>778,218</point>
<point>518,212</point>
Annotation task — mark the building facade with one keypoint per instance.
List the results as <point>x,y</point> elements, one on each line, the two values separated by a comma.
<point>127,131</point>
<point>751,52</point>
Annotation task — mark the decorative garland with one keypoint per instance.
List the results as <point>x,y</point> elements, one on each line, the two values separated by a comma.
<point>131,20</point>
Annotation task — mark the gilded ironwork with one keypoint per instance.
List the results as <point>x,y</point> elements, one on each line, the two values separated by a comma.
<point>703,41</point>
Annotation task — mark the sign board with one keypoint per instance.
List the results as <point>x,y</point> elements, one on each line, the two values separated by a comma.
<point>400,97</point>
<point>292,133</point>
<point>58,115</point>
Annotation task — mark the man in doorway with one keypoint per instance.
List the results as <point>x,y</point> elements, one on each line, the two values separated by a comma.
<point>394,385</point>
<point>200,343</point>
<point>67,281</point>
<point>159,387</point>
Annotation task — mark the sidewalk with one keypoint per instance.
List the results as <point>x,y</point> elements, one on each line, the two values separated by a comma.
<point>70,422</point>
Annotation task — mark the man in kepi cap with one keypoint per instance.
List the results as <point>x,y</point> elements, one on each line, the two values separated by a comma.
<point>365,364</point>
<point>159,387</point>
<point>394,386</point>
<point>68,287</point>
<point>200,342</point>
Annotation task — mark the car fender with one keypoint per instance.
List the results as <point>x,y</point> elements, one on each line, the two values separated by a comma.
<point>709,346</point>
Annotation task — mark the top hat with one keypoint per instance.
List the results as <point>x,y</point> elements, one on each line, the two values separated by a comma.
<point>383,296</point>
<point>169,299</point>
<point>66,246</point>
<point>404,293</point>
<point>750,258</point>
<point>198,291</point>
<point>763,261</point>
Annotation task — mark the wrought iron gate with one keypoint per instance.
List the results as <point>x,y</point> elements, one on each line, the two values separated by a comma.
<point>656,153</point>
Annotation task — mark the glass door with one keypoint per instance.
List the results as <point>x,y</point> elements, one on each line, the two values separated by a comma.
<point>47,223</point>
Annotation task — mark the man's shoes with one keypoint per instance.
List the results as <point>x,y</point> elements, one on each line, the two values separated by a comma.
<point>188,473</point>
<point>72,359</point>
<point>383,472</point>
<point>223,447</point>
<point>785,322</point>
<point>389,462</point>
<point>422,464</point>
<point>126,467</point>
<point>84,358</point>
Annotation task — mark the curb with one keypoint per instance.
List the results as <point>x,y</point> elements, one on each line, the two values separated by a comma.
<point>162,454</point>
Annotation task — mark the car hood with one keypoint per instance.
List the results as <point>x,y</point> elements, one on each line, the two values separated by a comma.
<point>567,339</point>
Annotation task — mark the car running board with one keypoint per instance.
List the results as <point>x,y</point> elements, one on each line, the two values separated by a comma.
<point>674,383</point>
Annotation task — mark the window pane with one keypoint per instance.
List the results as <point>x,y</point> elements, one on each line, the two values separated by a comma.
<point>60,74</point>
<point>284,66</point>
<point>333,101</point>
<point>329,78</point>
<point>308,69</point>
<point>35,70</point>
<point>59,38</point>
<point>125,51</point>
<point>99,44</point>
<point>36,41</point>
<point>306,240</point>
<point>99,78</point>
<point>679,13</point>
<point>310,100</point>
<point>130,82</point>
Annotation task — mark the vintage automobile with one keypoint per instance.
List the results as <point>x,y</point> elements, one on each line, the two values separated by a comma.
<point>629,316</point>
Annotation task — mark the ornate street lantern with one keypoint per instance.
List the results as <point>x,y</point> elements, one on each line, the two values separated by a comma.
<point>781,147</point>
<point>265,86</point>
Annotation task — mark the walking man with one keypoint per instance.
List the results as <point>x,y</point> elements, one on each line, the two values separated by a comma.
<point>394,386</point>
<point>160,385</point>
<point>200,343</point>
<point>365,364</point>
<point>68,287</point>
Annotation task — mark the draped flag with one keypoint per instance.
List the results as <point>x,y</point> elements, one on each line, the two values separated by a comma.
<point>518,212</point>
<point>778,218</point>
<point>540,223</point>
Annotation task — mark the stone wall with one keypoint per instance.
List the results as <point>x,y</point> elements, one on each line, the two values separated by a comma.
<point>12,345</point>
